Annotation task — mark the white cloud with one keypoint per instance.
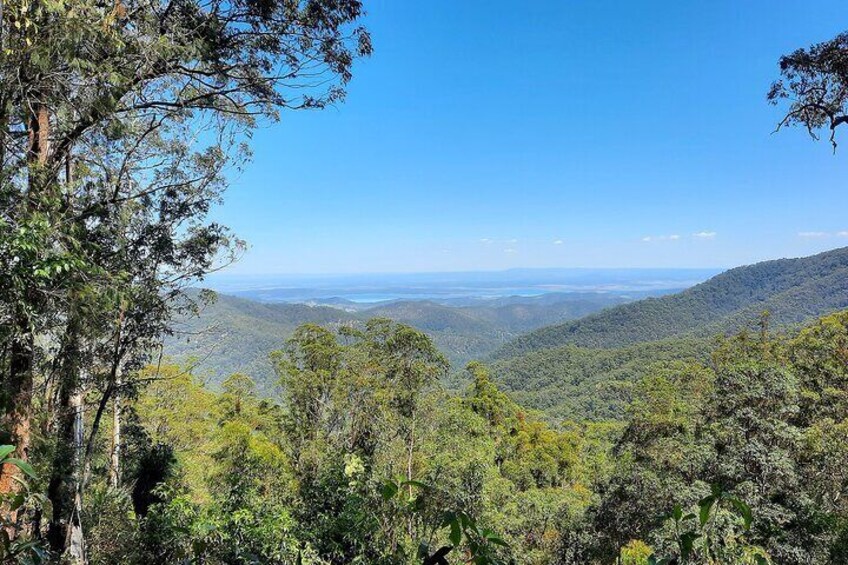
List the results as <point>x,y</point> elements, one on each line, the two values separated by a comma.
<point>512,241</point>
<point>842,233</point>
<point>558,242</point>
<point>485,240</point>
<point>812,234</point>
<point>705,235</point>
<point>510,250</point>
<point>672,237</point>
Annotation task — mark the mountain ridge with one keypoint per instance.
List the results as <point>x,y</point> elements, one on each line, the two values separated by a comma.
<point>794,290</point>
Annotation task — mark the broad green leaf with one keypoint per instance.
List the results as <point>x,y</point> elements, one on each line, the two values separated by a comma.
<point>744,510</point>
<point>389,490</point>
<point>687,541</point>
<point>25,467</point>
<point>455,532</point>
<point>17,502</point>
<point>706,505</point>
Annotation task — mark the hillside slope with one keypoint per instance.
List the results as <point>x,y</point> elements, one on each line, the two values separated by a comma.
<point>793,290</point>
<point>236,335</point>
<point>577,383</point>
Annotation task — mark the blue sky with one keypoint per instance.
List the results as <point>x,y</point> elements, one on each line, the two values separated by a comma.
<point>593,133</point>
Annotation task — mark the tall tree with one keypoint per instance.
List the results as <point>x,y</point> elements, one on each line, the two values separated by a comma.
<point>119,121</point>
<point>814,84</point>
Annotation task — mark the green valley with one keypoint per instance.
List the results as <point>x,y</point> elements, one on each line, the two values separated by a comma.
<point>236,335</point>
<point>347,282</point>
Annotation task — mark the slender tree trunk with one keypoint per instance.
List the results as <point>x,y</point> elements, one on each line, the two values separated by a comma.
<point>115,456</point>
<point>62,488</point>
<point>75,541</point>
<point>17,420</point>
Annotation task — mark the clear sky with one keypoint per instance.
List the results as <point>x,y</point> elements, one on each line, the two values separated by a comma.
<point>592,133</point>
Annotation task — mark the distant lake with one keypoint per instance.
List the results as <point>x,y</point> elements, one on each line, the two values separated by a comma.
<point>374,288</point>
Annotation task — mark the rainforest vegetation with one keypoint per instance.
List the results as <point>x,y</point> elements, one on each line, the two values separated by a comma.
<point>693,428</point>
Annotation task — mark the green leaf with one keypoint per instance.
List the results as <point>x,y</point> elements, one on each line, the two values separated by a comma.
<point>25,467</point>
<point>455,532</point>
<point>687,541</point>
<point>389,490</point>
<point>706,505</point>
<point>17,502</point>
<point>497,541</point>
<point>744,510</point>
<point>5,450</point>
<point>447,518</point>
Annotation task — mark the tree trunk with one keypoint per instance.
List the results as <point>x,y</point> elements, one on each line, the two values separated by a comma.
<point>62,489</point>
<point>115,456</point>
<point>17,419</point>
<point>75,542</point>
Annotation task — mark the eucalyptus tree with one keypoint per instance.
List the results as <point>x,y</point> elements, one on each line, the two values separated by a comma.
<point>120,121</point>
<point>814,86</point>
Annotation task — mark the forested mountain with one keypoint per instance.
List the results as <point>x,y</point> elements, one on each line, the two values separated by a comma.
<point>646,439</point>
<point>366,451</point>
<point>578,383</point>
<point>792,290</point>
<point>236,335</point>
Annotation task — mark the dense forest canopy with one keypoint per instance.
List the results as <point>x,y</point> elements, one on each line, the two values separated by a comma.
<point>792,290</point>
<point>693,428</point>
<point>230,335</point>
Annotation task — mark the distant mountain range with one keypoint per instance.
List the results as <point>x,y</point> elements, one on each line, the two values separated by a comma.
<point>791,290</point>
<point>586,368</point>
<point>236,335</point>
<point>572,354</point>
<point>453,288</point>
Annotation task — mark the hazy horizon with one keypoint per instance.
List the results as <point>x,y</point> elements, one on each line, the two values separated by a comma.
<point>380,287</point>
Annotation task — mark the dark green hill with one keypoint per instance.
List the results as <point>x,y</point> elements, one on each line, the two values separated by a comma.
<point>793,290</point>
<point>577,383</point>
<point>236,335</point>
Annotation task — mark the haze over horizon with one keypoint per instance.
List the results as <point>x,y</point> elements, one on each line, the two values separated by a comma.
<point>473,285</point>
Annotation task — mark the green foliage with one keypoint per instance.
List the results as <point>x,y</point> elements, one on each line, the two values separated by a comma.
<point>813,85</point>
<point>713,534</point>
<point>573,383</point>
<point>19,549</point>
<point>235,335</point>
<point>736,424</point>
<point>792,290</point>
<point>366,459</point>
